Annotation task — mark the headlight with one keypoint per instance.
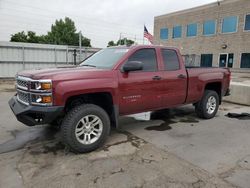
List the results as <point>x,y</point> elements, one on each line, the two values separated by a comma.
<point>41,92</point>
<point>41,85</point>
<point>41,99</point>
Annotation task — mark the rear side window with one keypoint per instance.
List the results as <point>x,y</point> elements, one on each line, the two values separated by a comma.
<point>147,57</point>
<point>171,60</point>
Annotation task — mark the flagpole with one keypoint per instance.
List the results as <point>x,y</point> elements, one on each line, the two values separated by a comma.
<point>143,33</point>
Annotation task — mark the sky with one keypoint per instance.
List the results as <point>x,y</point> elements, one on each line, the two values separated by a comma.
<point>98,20</point>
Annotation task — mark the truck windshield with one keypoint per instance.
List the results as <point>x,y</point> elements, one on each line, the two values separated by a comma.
<point>105,58</point>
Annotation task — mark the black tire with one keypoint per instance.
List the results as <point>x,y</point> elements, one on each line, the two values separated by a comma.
<point>71,121</point>
<point>201,106</point>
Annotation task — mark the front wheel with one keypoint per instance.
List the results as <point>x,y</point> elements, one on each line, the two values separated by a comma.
<point>208,106</point>
<point>85,128</point>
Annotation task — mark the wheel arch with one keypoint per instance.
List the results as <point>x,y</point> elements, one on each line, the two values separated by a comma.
<point>102,99</point>
<point>215,86</point>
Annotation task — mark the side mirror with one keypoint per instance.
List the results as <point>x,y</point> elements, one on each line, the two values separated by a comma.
<point>132,66</point>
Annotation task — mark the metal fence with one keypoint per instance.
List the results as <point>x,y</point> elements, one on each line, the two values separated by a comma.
<point>192,60</point>
<point>21,56</point>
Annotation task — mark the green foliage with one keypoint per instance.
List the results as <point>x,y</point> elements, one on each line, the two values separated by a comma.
<point>111,43</point>
<point>19,37</point>
<point>63,32</point>
<point>123,41</point>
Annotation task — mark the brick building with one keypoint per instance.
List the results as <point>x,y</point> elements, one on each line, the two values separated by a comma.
<point>216,34</point>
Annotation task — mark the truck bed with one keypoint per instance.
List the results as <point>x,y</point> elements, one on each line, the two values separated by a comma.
<point>197,76</point>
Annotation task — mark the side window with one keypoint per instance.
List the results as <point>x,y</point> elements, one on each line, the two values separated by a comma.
<point>171,60</point>
<point>147,57</point>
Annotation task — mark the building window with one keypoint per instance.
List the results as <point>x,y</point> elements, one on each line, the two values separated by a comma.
<point>164,33</point>
<point>229,24</point>
<point>206,60</point>
<point>226,60</point>
<point>247,23</point>
<point>191,30</point>
<point>230,60</point>
<point>245,60</point>
<point>209,27</point>
<point>177,32</point>
<point>170,60</point>
<point>147,57</point>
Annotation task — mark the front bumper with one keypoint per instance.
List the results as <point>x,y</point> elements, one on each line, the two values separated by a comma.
<point>34,115</point>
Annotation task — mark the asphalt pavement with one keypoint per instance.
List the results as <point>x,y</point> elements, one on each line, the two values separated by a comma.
<point>170,148</point>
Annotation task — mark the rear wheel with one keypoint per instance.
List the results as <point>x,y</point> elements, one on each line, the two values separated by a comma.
<point>208,106</point>
<point>85,128</point>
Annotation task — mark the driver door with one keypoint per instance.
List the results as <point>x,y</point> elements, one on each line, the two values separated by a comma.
<point>140,91</point>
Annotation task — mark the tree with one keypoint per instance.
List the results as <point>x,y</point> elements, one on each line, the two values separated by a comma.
<point>63,32</point>
<point>111,43</point>
<point>19,37</point>
<point>30,37</point>
<point>123,41</point>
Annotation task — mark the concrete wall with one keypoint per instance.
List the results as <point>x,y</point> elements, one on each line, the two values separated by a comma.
<point>240,93</point>
<point>20,56</point>
<point>237,43</point>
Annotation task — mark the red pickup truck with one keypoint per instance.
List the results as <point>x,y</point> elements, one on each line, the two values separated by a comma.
<point>89,98</point>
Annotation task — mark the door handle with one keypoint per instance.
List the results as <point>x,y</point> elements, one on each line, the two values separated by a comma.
<point>181,76</point>
<point>156,78</point>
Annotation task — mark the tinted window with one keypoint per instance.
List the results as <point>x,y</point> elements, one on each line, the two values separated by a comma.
<point>177,32</point>
<point>229,24</point>
<point>247,23</point>
<point>209,27</point>
<point>164,33</point>
<point>191,30</point>
<point>105,58</point>
<point>147,57</point>
<point>245,60</point>
<point>171,60</point>
<point>206,60</point>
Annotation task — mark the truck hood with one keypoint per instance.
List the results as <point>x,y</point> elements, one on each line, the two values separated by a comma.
<point>67,73</point>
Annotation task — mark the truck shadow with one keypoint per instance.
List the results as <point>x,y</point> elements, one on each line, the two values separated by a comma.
<point>49,137</point>
<point>167,117</point>
<point>31,135</point>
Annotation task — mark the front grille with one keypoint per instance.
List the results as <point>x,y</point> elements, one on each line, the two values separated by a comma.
<point>23,97</point>
<point>23,84</point>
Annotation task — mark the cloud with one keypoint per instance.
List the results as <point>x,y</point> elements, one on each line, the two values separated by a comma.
<point>98,20</point>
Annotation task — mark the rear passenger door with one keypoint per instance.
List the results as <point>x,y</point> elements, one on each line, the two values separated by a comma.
<point>175,79</point>
<point>141,90</point>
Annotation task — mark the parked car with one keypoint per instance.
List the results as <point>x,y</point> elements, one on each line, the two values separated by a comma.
<point>115,81</point>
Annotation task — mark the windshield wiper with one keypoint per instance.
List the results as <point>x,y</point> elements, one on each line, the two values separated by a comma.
<point>87,65</point>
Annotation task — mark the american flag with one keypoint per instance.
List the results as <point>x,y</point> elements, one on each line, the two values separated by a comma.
<point>148,35</point>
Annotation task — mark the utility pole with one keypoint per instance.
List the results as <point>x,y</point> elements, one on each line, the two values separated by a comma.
<point>120,39</point>
<point>80,46</point>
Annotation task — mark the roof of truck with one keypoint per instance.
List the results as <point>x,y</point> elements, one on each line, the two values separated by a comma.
<point>142,46</point>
